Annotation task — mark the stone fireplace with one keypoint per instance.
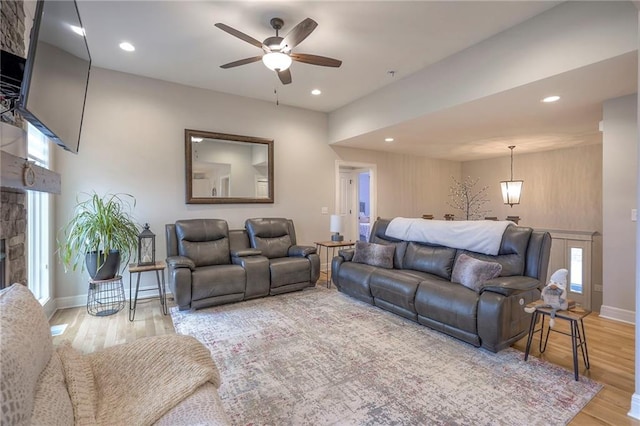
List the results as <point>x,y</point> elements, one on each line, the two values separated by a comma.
<point>13,211</point>
<point>13,232</point>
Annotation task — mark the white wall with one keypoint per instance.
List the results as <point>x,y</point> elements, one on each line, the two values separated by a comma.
<point>620,173</point>
<point>408,185</point>
<point>569,36</point>
<point>562,190</point>
<point>133,142</point>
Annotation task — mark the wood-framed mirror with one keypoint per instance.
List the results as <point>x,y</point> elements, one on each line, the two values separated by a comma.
<point>227,169</point>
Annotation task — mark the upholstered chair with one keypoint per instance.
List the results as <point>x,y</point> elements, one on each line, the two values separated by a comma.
<point>201,272</point>
<point>292,267</point>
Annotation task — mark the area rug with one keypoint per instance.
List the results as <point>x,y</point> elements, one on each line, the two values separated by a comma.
<point>318,357</point>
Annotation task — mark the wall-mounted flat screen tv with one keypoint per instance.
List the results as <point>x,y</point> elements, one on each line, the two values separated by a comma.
<point>54,87</point>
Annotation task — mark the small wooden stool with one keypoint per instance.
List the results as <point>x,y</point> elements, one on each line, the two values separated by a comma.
<point>578,337</point>
<point>134,268</point>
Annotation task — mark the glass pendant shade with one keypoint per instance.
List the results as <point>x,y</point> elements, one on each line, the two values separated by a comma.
<point>511,190</point>
<point>276,61</point>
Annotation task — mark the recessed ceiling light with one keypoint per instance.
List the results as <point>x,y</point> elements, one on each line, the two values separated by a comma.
<point>388,139</point>
<point>550,99</point>
<point>316,92</point>
<point>126,46</point>
<point>77,30</point>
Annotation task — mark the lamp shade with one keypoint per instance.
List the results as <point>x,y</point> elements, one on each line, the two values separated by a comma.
<point>511,190</point>
<point>276,61</point>
<point>336,223</point>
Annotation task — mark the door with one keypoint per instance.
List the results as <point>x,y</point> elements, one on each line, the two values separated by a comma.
<point>349,197</point>
<point>345,205</point>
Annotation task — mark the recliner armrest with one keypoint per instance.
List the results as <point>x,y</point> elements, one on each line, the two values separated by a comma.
<point>180,262</point>
<point>347,254</point>
<point>246,252</point>
<point>301,251</point>
<point>508,286</point>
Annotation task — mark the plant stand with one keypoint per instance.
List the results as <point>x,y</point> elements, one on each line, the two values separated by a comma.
<point>105,297</point>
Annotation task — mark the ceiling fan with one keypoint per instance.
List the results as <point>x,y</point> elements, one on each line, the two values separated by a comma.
<point>277,54</point>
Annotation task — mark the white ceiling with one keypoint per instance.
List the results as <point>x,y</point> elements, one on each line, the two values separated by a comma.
<point>177,41</point>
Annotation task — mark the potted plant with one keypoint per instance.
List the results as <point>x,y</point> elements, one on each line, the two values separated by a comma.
<point>100,233</point>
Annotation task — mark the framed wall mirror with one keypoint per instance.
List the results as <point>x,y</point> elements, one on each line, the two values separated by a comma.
<point>228,169</point>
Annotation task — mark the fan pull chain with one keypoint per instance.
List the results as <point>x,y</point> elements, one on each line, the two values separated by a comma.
<point>275,91</point>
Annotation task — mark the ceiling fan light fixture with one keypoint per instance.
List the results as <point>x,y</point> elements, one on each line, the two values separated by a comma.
<point>276,61</point>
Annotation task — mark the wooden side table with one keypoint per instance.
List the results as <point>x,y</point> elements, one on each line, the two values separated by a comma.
<point>159,268</point>
<point>332,245</point>
<point>575,317</point>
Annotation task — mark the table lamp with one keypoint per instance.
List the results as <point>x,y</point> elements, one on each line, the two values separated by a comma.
<point>336,227</point>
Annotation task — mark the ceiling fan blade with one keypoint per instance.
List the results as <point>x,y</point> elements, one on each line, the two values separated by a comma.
<point>315,60</point>
<point>241,62</point>
<point>298,34</point>
<point>285,76</point>
<point>242,36</point>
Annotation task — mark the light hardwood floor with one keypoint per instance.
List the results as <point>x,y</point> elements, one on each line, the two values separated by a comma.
<point>611,351</point>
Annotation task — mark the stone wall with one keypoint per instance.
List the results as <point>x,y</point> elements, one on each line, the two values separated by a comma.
<point>12,33</point>
<point>13,208</point>
<point>12,26</point>
<point>13,230</point>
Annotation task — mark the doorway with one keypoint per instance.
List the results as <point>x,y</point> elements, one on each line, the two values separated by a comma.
<point>356,198</point>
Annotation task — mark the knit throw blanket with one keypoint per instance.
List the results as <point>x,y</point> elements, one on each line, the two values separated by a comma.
<point>135,383</point>
<point>480,236</point>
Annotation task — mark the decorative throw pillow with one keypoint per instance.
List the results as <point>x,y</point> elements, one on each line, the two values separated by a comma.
<point>374,254</point>
<point>472,272</point>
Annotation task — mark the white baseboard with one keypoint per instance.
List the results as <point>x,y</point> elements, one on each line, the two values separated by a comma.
<point>617,314</point>
<point>49,307</point>
<point>635,406</point>
<point>81,300</point>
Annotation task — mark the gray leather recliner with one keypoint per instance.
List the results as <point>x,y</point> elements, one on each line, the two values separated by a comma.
<point>292,267</point>
<point>201,272</point>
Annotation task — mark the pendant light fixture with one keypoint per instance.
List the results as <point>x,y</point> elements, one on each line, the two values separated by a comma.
<point>511,189</point>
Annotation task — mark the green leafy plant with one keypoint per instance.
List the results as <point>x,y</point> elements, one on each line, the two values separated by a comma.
<point>99,224</point>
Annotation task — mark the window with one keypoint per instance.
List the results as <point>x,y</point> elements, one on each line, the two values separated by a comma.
<point>38,218</point>
<point>576,270</point>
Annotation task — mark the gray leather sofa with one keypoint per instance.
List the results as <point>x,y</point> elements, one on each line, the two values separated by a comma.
<point>419,286</point>
<point>209,265</point>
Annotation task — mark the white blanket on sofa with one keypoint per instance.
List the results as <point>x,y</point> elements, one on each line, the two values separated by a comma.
<point>481,236</point>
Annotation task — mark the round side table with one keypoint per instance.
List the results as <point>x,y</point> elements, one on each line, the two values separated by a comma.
<point>105,297</point>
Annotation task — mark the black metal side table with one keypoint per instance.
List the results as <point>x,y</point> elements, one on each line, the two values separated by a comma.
<point>159,268</point>
<point>575,317</point>
<point>105,297</point>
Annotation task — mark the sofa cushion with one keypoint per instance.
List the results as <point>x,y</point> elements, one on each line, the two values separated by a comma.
<point>353,279</point>
<point>51,396</point>
<point>472,273</point>
<point>25,351</point>
<point>374,254</point>
<point>271,236</point>
<point>513,251</point>
<point>206,253</point>
<point>219,280</point>
<point>81,385</point>
<point>448,303</point>
<point>395,287</point>
<point>435,260</point>
<point>289,270</point>
<point>205,241</point>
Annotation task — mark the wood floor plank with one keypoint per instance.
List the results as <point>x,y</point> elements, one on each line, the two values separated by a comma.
<point>611,351</point>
